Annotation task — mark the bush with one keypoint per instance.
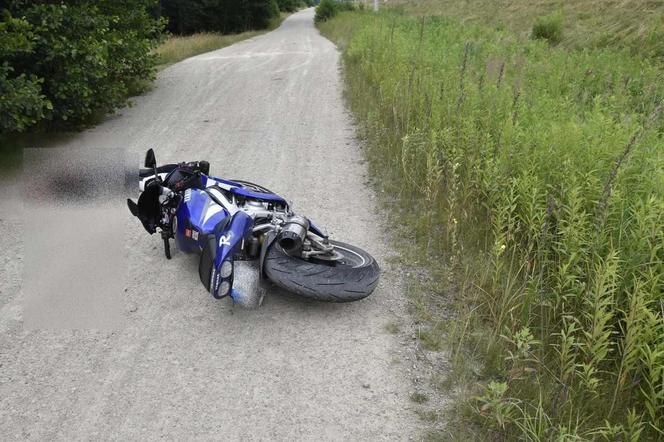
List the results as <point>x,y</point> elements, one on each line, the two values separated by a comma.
<point>327,9</point>
<point>23,103</point>
<point>549,28</point>
<point>346,5</point>
<point>66,62</point>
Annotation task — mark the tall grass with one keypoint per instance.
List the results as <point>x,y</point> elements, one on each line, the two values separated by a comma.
<point>637,25</point>
<point>538,174</point>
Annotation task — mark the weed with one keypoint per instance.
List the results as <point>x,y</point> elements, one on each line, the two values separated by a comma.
<point>392,327</point>
<point>543,197</point>
<point>549,28</point>
<point>419,398</point>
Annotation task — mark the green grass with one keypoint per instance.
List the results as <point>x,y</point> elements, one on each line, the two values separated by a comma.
<point>637,25</point>
<point>535,174</point>
<point>177,48</point>
<point>392,328</point>
<point>419,398</point>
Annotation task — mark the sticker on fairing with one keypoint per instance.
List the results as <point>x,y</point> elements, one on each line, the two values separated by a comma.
<point>217,279</point>
<point>225,240</point>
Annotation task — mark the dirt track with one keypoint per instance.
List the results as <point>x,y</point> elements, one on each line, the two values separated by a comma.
<point>186,366</point>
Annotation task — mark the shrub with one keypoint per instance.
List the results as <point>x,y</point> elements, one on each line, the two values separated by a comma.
<point>346,5</point>
<point>327,9</point>
<point>549,28</point>
<point>68,61</point>
<point>23,103</point>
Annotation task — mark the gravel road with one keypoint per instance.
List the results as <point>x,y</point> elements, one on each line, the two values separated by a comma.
<point>185,366</point>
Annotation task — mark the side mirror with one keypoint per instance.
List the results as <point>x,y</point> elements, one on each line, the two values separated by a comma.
<point>150,160</point>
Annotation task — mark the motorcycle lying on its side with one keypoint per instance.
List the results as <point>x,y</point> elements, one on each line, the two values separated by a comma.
<point>230,221</point>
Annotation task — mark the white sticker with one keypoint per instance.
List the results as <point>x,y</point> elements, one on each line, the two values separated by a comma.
<point>225,240</point>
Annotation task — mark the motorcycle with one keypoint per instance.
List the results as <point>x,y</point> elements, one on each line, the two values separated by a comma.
<point>229,222</point>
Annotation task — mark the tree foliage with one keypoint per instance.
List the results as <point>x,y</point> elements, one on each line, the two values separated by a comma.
<point>226,16</point>
<point>63,61</point>
<point>289,5</point>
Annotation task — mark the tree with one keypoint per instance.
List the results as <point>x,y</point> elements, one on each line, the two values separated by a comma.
<point>289,5</point>
<point>226,16</point>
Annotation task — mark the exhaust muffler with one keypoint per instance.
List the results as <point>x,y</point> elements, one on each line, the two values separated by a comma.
<point>292,235</point>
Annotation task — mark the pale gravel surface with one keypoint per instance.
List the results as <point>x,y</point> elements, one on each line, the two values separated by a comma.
<point>268,109</point>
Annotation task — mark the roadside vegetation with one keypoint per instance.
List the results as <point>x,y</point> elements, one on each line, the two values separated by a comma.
<point>636,25</point>
<point>65,64</point>
<point>175,48</point>
<point>60,63</point>
<point>531,174</point>
<point>328,9</point>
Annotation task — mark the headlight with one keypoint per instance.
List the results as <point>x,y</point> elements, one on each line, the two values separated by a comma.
<point>226,269</point>
<point>224,288</point>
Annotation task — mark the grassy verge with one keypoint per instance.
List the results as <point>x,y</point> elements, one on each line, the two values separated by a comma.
<point>633,24</point>
<point>177,48</point>
<point>532,179</point>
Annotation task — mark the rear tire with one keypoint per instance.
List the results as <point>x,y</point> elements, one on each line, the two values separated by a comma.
<point>348,281</point>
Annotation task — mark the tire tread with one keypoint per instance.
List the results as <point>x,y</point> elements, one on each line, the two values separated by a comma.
<point>320,281</point>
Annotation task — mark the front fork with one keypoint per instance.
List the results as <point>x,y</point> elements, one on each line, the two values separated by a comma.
<point>166,236</point>
<point>170,209</point>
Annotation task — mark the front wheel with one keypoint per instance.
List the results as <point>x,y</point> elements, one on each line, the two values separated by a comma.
<point>353,277</point>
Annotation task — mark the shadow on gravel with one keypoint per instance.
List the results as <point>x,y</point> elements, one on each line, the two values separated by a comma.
<point>73,216</point>
<point>189,266</point>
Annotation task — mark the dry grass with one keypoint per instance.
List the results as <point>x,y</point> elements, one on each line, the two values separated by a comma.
<point>634,24</point>
<point>177,48</point>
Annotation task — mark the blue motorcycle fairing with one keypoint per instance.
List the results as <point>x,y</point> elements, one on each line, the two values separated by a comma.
<point>314,228</point>
<point>227,241</point>
<point>204,224</point>
<point>197,216</point>
<point>239,189</point>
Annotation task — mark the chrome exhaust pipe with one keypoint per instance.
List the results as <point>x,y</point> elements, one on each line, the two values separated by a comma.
<point>292,235</point>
